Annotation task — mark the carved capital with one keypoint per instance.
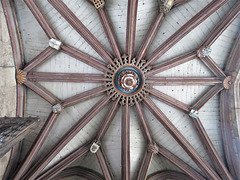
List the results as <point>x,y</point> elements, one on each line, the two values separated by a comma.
<point>20,76</point>
<point>153,148</point>
<point>166,5</point>
<point>204,51</point>
<point>227,82</point>
<point>98,3</point>
<point>56,44</point>
<point>57,108</point>
<point>194,114</point>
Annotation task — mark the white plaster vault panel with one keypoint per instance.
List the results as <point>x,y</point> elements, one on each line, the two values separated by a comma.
<point>34,41</point>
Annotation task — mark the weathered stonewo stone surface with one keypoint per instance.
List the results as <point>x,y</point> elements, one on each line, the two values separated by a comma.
<point>7,81</point>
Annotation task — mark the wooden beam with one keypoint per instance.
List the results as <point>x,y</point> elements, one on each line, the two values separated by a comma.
<point>206,97</point>
<point>40,59</point>
<point>66,77</point>
<point>37,144</point>
<point>85,58</point>
<point>143,122</point>
<point>184,30</point>
<point>15,129</point>
<point>213,67</point>
<point>151,34</point>
<point>35,170</point>
<point>202,164</point>
<point>102,159</point>
<point>131,27</point>
<point>72,19</point>
<point>142,174</point>
<point>211,151</point>
<point>84,96</point>
<point>179,163</point>
<point>222,25</point>
<point>41,18</point>
<point>169,100</point>
<point>179,81</point>
<point>65,162</point>
<point>107,120</point>
<point>41,91</point>
<point>125,145</point>
<point>176,61</point>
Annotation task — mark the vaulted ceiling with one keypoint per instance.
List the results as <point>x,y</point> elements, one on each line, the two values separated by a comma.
<point>127,89</point>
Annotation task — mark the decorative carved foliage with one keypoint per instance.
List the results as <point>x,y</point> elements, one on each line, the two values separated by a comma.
<point>20,76</point>
<point>141,89</point>
<point>227,82</point>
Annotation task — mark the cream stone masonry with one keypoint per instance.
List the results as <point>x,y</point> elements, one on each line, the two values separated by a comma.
<point>7,81</point>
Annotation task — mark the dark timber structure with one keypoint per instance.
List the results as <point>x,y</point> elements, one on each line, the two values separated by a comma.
<point>13,130</point>
<point>127,80</point>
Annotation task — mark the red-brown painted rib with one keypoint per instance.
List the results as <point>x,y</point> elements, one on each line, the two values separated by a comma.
<point>41,18</point>
<point>169,100</point>
<point>66,77</point>
<point>178,81</point>
<point>61,7</point>
<point>84,96</point>
<point>107,120</point>
<point>180,163</point>
<point>102,159</point>
<point>71,133</point>
<point>32,153</point>
<point>64,163</point>
<point>184,30</point>
<point>40,59</point>
<point>210,149</point>
<point>222,25</point>
<point>45,94</point>
<point>213,67</point>
<point>176,61</point>
<point>131,27</point>
<point>125,145</point>
<point>85,58</point>
<point>151,34</point>
<point>206,97</point>
<point>202,164</point>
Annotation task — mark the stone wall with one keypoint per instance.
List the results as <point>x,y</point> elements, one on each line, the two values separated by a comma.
<point>7,80</point>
